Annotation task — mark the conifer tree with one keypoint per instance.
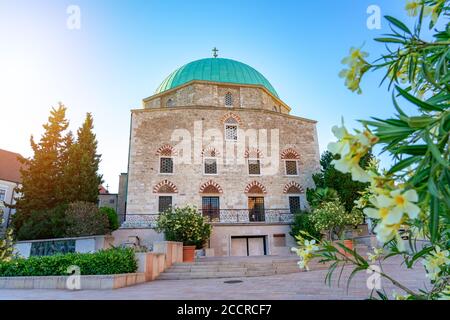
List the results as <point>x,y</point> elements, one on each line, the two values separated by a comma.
<point>81,170</point>
<point>42,186</point>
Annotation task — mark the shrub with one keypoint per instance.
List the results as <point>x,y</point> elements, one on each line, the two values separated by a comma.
<point>332,217</point>
<point>85,219</point>
<point>302,222</point>
<point>112,217</point>
<point>184,225</point>
<point>110,261</point>
<point>43,224</point>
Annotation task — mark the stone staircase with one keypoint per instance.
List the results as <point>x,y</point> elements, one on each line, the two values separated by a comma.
<point>231,267</point>
<point>240,267</point>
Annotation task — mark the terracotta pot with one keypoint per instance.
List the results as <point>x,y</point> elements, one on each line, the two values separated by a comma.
<point>188,253</point>
<point>347,244</point>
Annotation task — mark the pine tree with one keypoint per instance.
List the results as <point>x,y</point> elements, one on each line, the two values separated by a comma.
<point>42,186</point>
<point>81,170</point>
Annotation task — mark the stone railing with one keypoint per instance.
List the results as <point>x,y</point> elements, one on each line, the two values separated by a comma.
<point>225,216</point>
<point>248,215</point>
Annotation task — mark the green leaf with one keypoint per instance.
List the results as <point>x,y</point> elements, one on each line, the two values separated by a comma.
<point>421,104</point>
<point>414,150</point>
<point>404,164</point>
<point>420,122</point>
<point>434,150</point>
<point>398,24</point>
<point>434,218</point>
<point>389,40</point>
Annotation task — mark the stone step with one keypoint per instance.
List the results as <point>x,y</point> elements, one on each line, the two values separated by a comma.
<point>199,275</point>
<point>210,269</point>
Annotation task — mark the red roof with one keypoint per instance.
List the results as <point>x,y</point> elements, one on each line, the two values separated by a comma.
<point>102,190</point>
<point>10,166</point>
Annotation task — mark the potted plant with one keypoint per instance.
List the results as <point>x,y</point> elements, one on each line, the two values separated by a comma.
<point>333,217</point>
<point>185,225</point>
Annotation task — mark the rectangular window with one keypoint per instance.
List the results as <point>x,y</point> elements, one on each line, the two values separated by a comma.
<point>254,167</point>
<point>166,165</point>
<point>211,208</point>
<point>291,168</point>
<point>231,132</point>
<point>294,204</point>
<point>256,209</point>
<point>210,166</point>
<point>165,202</point>
<point>2,194</point>
<point>279,240</point>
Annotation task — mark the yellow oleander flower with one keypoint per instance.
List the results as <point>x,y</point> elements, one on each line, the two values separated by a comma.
<point>435,261</point>
<point>310,246</point>
<point>386,232</point>
<point>413,8</point>
<point>377,252</point>
<point>350,164</point>
<point>355,57</point>
<point>403,203</point>
<point>342,146</point>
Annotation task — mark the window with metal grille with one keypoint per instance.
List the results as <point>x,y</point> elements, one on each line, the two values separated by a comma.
<point>2,194</point>
<point>294,204</point>
<point>228,99</point>
<point>256,208</point>
<point>210,207</point>
<point>111,201</point>
<point>169,103</point>
<point>164,203</point>
<point>166,165</point>
<point>291,168</point>
<point>254,167</point>
<point>231,132</point>
<point>210,166</point>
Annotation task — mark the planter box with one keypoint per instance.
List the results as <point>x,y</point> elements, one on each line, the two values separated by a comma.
<point>91,282</point>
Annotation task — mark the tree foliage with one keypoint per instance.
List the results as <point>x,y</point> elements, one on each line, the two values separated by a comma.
<point>62,171</point>
<point>347,189</point>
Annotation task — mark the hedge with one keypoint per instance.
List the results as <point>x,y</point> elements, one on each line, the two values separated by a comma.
<point>110,261</point>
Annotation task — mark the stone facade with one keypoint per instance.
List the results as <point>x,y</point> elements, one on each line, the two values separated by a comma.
<point>191,123</point>
<point>152,128</point>
<point>206,94</point>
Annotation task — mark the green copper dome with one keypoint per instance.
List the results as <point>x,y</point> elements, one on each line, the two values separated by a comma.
<point>216,70</point>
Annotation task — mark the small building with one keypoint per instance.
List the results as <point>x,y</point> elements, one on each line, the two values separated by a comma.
<point>107,199</point>
<point>10,180</point>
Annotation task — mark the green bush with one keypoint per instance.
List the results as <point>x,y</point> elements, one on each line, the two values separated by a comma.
<point>43,224</point>
<point>85,219</point>
<point>332,217</point>
<point>184,225</point>
<point>112,217</point>
<point>302,222</point>
<point>110,261</point>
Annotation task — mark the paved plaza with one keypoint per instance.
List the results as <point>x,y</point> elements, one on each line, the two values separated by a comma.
<point>303,285</point>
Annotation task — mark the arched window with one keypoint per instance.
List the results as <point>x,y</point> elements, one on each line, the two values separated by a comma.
<point>169,103</point>
<point>228,99</point>
<point>231,129</point>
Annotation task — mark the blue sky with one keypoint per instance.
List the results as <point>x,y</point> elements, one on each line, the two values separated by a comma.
<point>123,51</point>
